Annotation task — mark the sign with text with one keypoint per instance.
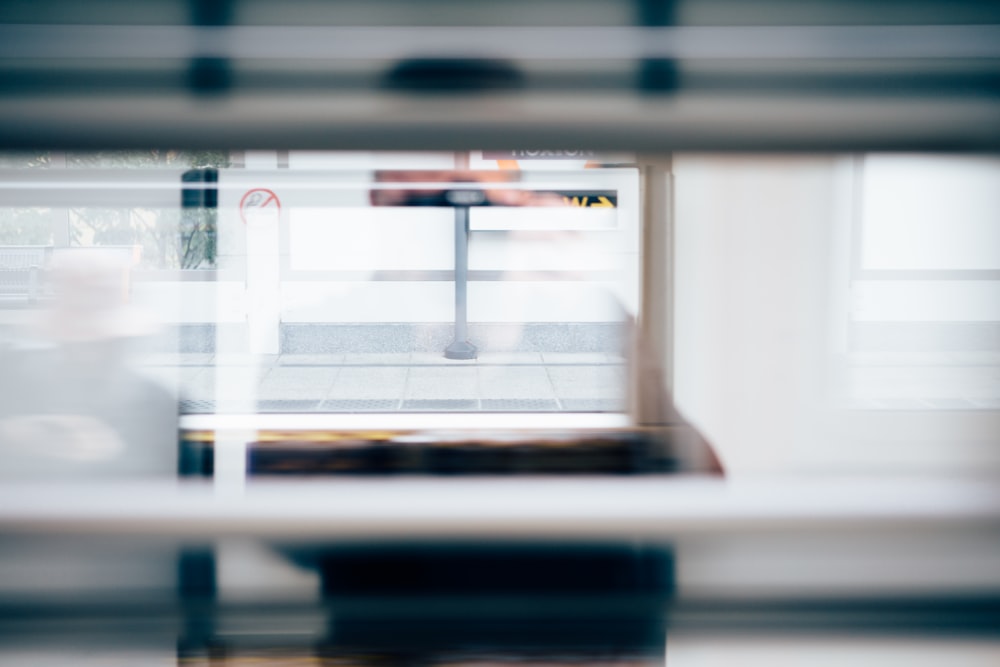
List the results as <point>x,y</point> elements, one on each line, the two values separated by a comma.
<point>528,154</point>
<point>590,199</point>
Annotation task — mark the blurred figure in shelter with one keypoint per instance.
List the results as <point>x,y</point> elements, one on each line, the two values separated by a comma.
<point>71,405</point>
<point>647,396</point>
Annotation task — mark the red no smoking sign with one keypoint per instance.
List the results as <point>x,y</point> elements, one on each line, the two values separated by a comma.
<point>259,200</point>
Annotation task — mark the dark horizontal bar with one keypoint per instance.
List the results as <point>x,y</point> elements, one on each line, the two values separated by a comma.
<point>944,615</point>
<point>564,43</point>
<point>795,123</point>
<point>960,77</point>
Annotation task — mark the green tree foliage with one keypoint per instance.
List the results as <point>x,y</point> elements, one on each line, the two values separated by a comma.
<point>148,159</point>
<point>197,238</point>
<point>25,226</point>
<point>21,160</point>
<point>169,238</point>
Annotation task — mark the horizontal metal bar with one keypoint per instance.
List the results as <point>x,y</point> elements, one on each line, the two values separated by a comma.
<point>36,180</point>
<point>545,508</point>
<point>447,276</point>
<point>569,43</point>
<point>785,77</point>
<point>927,274</point>
<point>56,180</point>
<point>382,121</point>
<point>186,275</point>
<point>945,620</point>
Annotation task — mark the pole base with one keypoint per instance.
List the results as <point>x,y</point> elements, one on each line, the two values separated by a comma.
<point>461,349</point>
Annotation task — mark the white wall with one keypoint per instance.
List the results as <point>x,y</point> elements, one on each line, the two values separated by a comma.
<point>930,212</point>
<point>193,302</point>
<point>327,225</point>
<point>763,304</point>
<point>926,300</point>
<point>752,263</point>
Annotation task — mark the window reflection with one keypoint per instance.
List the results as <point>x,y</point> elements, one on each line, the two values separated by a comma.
<point>338,292</point>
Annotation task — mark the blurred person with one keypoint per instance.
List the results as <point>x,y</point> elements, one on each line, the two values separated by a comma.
<point>70,403</point>
<point>653,406</point>
<point>647,394</point>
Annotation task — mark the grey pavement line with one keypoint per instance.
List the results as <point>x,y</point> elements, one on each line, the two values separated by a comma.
<point>559,403</point>
<point>922,368</point>
<point>479,389</point>
<point>403,392</point>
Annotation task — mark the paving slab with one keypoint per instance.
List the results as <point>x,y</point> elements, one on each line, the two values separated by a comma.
<point>175,359</point>
<point>440,405</point>
<point>377,359</point>
<point>590,382</point>
<point>510,358</point>
<point>369,383</point>
<point>311,359</point>
<point>515,382</point>
<point>295,383</point>
<point>459,382</point>
<point>255,360</point>
<point>438,359</point>
<point>574,358</point>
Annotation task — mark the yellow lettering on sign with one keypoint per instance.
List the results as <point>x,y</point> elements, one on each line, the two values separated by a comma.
<point>586,202</point>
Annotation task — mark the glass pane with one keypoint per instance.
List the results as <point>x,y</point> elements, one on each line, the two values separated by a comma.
<point>930,213</point>
<point>839,312</point>
<point>351,282</point>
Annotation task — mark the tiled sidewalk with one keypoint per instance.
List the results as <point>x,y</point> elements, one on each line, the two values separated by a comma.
<point>511,382</point>
<point>527,382</point>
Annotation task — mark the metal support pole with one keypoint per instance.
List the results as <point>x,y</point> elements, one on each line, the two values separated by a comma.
<point>460,347</point>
